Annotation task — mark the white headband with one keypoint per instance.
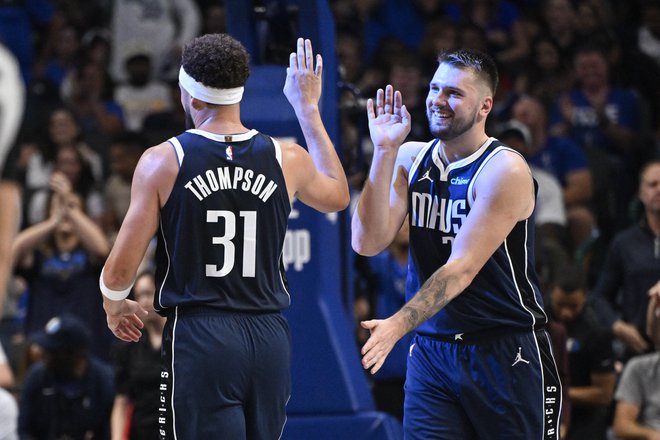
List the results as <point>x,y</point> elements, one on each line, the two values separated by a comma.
<point>209,94</point>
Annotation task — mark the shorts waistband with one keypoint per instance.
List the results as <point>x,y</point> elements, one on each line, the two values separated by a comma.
<point>202,310</point>
<point>480,337</point>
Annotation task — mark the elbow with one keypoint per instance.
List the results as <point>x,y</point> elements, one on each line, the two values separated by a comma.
<point>362,248</point>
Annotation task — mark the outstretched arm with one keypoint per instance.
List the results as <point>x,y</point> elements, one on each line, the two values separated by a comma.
<point>383,204</point>
<point>319,182</point>
<point>504,195</point>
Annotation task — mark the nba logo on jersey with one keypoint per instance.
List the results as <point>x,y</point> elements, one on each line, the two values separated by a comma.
<point>230,152</point>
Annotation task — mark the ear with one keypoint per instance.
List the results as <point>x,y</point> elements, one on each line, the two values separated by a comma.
<point>486,105</point>
<point>197,104</point>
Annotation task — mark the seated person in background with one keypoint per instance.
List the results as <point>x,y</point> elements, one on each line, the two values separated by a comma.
<point>137,372</point>
<point>631,268</point>
<point>590,357</point>
<point>69,394</point>
<point>637,414</point>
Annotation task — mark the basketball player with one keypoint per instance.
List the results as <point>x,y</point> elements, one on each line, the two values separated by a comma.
<point>480,364</point>
<point>220,195</point>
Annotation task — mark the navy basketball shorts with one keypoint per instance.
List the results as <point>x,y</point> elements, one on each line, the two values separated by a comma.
<point>500,388</point>
<point>225,375</point>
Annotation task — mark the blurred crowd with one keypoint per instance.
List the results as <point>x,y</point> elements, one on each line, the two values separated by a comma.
<point>579,98</point>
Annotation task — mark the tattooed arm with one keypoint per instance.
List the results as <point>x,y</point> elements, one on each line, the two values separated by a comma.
<point>504,195</point>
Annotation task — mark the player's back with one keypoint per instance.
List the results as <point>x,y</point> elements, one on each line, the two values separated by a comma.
<point>223,227</point>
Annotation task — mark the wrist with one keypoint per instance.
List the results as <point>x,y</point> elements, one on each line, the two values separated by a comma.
<point>308,110</point>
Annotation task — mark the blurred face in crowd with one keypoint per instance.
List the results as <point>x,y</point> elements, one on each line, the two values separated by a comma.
<point>591,69</point>
<point>530,112</point>
<point>69,163</point>
<point>567,306</point>
<point>144,291</point>
<point>65,236</point>
<point>63,127</point>
<point>547,55</point>
<point>455,99</point>
<point>649,188</point>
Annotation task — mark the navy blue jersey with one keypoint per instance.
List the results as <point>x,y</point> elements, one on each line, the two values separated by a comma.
<point>223,226</point>
<point>505,292</point>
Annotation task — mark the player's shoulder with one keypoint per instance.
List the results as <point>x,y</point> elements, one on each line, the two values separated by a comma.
<point>409,151</point>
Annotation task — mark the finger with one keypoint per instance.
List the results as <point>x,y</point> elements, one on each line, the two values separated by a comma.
<point>319,65</point>
<point>405,116</point>
<point>309,55</point>
<point>398,101</point>
<point>293,62</point>
<point>368,324</point>
<point>379,364</point>
<point>301,54</point>
<point>380,97</point>
<point>370,109</point>
<point>389,99</point>
<point>135,321</point>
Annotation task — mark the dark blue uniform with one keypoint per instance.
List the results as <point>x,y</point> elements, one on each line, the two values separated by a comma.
<point>221,285</point>
<point>482,367</point>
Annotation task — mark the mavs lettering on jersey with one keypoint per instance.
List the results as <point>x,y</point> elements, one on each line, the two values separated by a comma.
<point>505,292</point>
<point>223,227</point>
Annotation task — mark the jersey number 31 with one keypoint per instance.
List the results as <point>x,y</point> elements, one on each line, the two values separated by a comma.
<point>249,242</point>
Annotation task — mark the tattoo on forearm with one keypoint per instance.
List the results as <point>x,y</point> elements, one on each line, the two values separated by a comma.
<point>430,299</point>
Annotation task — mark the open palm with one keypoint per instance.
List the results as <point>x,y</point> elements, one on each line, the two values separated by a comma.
<point>389,120</point>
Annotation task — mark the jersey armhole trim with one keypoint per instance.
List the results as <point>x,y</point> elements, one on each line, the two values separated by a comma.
<point>278,151</point>
<point>178,149</point>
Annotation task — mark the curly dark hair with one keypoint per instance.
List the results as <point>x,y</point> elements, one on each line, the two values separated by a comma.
<point>217,60</point>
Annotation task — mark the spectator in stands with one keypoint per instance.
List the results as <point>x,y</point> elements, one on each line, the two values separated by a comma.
<point>90,95</point>
<point>560,156</point>
<point>141,94</point>
<point>637,414</point>
<point>71,164</point>
<point>560,22</point>
<point>69,394</point>
<point>61,259</point>
<point>137,371</point>
<point>631,268</point>
<point>546,74</point>
<point>590,357</point>
<point>160,26</point>
<point>125,152</point>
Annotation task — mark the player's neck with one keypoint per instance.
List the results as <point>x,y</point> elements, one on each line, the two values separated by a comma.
<point>462,146</point>
<point>224,120</point>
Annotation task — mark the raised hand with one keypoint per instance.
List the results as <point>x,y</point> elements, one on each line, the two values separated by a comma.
<point>389,120</point>
<point>303,80</point>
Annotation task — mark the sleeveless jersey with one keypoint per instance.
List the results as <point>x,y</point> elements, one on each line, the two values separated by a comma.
<point>222,229</point>
<point>505,292</point>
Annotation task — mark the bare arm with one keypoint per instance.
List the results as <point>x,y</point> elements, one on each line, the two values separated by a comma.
<point>9,224</point>
<point>600,391</point>
<point>319,182</point>
<point>28,239</point>
<point>91,236</point>
<point>152,182</point>
<point>626,425</point>
<point>384,200</point>
<point>118,417</point>
<point>503,196</point>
